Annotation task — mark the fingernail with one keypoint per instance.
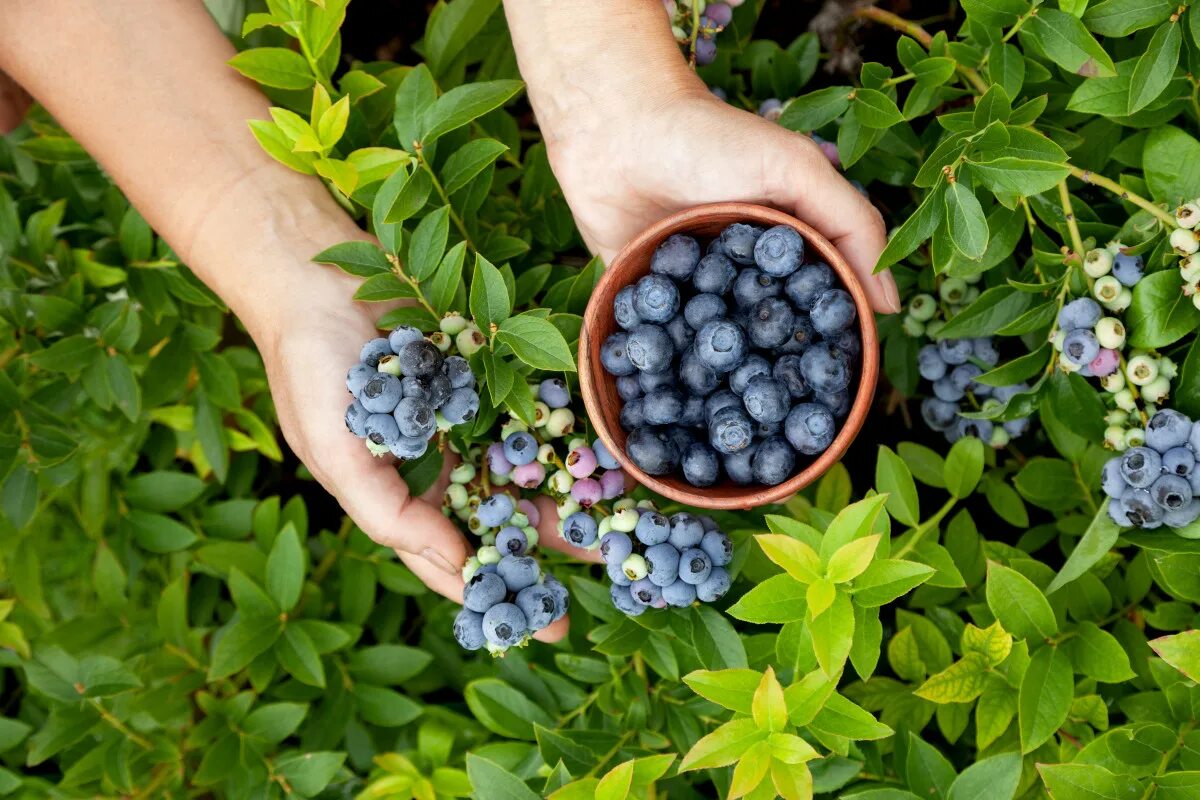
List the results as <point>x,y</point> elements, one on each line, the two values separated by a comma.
<point>438,560</point>
<point>890,292</point>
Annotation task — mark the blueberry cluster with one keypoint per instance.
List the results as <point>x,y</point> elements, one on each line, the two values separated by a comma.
<point>741,388</point>
<point>1157,483</point>
<point>1114,273</point>
<point>405,389</point>
<point>1185,241</point>
<point>655,561</point>
<point>1087,341</point>
<point>505,602</point>
<point>952,365</point>
<point>713,19</point>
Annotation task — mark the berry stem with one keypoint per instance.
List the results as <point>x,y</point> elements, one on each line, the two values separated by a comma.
<point>437,184</point>
<point>1072,225</point>
<point>694,34</point>
<point>1087,176</point>
<point>899,23</point>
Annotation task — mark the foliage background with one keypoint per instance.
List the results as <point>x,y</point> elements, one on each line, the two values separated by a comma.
<point>186,614</point>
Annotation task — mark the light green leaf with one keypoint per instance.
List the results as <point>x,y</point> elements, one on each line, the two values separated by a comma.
<point>1045,696</point>
<point>966,221</point>
<point>1018,604</point>
<point>537,342</point>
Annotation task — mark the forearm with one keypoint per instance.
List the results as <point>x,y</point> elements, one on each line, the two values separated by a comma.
<point>143,85</point>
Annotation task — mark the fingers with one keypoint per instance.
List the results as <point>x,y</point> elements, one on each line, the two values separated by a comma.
<point>549,537</point>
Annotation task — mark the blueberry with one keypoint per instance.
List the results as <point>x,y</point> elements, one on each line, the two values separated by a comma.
<point>832,312</point>
<point>518,572</point>
<point>1128,269</point>
<point>580,529</point>
<point>358,376</point>
<point>694,566</point>
<point>1111,480</point>
<point>947,390</point>
<point>652,528</point>
<point>655,298</point>
<point>645,592</point>
<point>495,510</point>
<point>483,591</point>
<point>1174,519</point>
<point>682,438</point>
<point>1082,312</point>
<point>649,381</point>
<point>512,541</point>
<point>679,594</point>
<point>1166,429</point>
<point>774,461</point>
<point>772,322</point>
<point>810,428</point>
<point>963,377</point>
<point>681,333</point>
<point>714,273</point>
<point>623,310</point>
<point>458,371</point>
<point>686,530</point>
<point>553,392</point>
<point>955,351</point>
<point>754,365</point>
<point>415,417</point>
<point>615,547</point>
<point>409,447</point>
<point>693,412</point>
<point>604,456</point>
<point>700,464</point>
<point>652,451</point>
<point>753,286</point>
<point>806,284</point>
<point>763,430</point>
<point>1080,346</point>
<point>721,345</point>
<point>520,448</point>
<point>779,251</point>
<point>1016,427</point>
<point>979,428</point>
<point>374,350</point>
<point>415,387</point>
<point>1194,438</point>
<point>438,389</point>
<point>662,406</point>
<point>706,50</point>
<point>504,625</point>
<point>738,242</point>
<point>613,355</point>
<point>767,400</point>
<point>420,359</point>
<point>676,257</point>
<point>468,629</point>
<point>633,414</point>
<point>838,403</point>
<point>738,466</point>
<point>730,431</point>
<point>538,605</point>
<point>662,564</point>
<point>825,368</point>
<point>938,414</point>
<point>381,393</point>
<point>649,348</point>
<point>616,574</point>
<point>381,429</point>
<point>1139,509</point>
<point>1006,393</point>
<point>629,387</point>
<point>985,351</point>
<point>718,547</point>
<point>356,419</point>
<point>623,601</point>
<point>718,400</point>
<point>713,587</point>
<point>402,336</point>
<point>788,371</point>
<point>802,336</point>
<point>1179,461</point>
<point>703,308</point>
<point>847,341</point>
<point>1172,492</point>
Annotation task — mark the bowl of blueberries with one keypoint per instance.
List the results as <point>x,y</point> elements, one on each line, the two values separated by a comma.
<point>728,356</point>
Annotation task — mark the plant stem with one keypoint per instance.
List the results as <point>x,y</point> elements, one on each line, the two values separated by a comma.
<point>695,33</point>
<point>924,528</point>
<point>1076,240</point>
<point>1087,176</point>
<point>897,22</point>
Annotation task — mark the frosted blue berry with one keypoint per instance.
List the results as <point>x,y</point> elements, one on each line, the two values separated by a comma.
<point>358,376</point>
<point>676,257</point>
<point>807,283</point>
<point>810,428</point>
<point>504,625</point>
<point>655,298</point>
<point>779,251</point>
<point>374,350</point>
<point>774,461</point>
<point>1166,429</point>
<point>402,336</point>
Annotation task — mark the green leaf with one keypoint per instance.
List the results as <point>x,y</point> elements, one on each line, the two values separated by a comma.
<point>875,109</point>
<point>768,706</point>
<point>163,490</point>
<point>1045,696</point>
<point>493,781</point>
<point>715,640</point>
<point>887,579</point>
<point>274,722</point>
<point>363,259</point>
<point>415,94</point>
<point>465,103</point>
<point>1094,545</point>
<point>298,655</point>
<point>239,644</point>
<point>1097,654</point>
<point>732,688</point>
<point>309,773</point>
<point>778,599</point>
<point>966,221</point>
<point>1090,781</point>
<point>504,710</point>
<point>929,773</point>
<point>893,478</point>
<point>1123,17</point>
<point>1181,651</point>
<point>996,13</point>
<point>851,559</point>
<point>1019,605</point>
<point>490,301</point>
<point>447,279</point>
<point>843,717</point>
<point>995,778</point>
<point>452,27</point>
<point>158,533</point>
<point>964,467</point>
<point>537,342</point>
<point>1050,483</point>
<point>813,110</point>
<point>833,633</point>
<point>914,230</point>
<point>276,67</point>
<point>994,308</point>
<point>404,194</point>
<point>723,746</point>
<point>285,569</point>
<point>1172,167</point>
<point>468,161</point>
<point>1187,386</point>
<point>1155,67</point>
<point>1066,41</point>
<point>1161,314</point>
<point>428,244</point>
<point>961,682</point>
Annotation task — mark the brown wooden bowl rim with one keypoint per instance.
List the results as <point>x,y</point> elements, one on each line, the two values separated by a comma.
<point>599,306</point>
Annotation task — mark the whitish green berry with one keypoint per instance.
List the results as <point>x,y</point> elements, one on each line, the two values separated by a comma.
<point>1141,369</point>
<point>499,480</point>
<point>513,425</point>
<point>647,505</point>
<point>567,506</point>
<point>604,527</point>
<point>487,539</point>
<point>1097,263</point>
<point>576,443</point>
<point>519,518</point>
<point>531,534</point>
<point>561,422</point>
<point>488,555</point>
<point>1110,333</point>
<point>913,327</point>
<point>624,503</point>
<point>456,496</point>
<point>1187,215</point>
<point>953,290</point>
<point>545,454</point>
<point>1114,437</point>
<point>1167,368</point>
<point>377,450</point>
<point>1189,269</point>
<point>541,414</point>
<point>390,365</point>
<point>1066,365</point>
<point>469,341</point>
<point>922,307</point>
<point>934,326</point>
<point>1106,289</point>
<point>625,520</point>
<point>561,482</point>
<point>463,473</point>
<point>1157,390</point>
<point>1000,437</point>
<point>1116,417</point>
<point>1135,437</point>
<point>1184,241</point>
<point>470,568</point>
<point>441,341</point>
<point>1124,399</point>
<point>1196,300</point>
<point>634,567</point>
<point>972,295</point>
<point>1057,339</point>
<point>453,324</point>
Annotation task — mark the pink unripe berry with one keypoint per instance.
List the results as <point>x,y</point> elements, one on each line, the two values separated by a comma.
<point>529,476</point>
<point>581,462</point>
<point>530,510</point>
<point>497,463</point>
<point>612,483</point>
<point>1105,363</point>
<point>587,492</point>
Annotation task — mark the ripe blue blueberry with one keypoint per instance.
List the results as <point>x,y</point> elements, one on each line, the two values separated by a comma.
<point>649,348</point>
<point>730,431</point>
<point>1140,466</point>
<point>440,390</point>
<point>682,438</point>
<point>415,417</point>
<point>520,448</point>
<point>963,377</point>
<point>512,541</point>
<point>662,564</point>
<point>1112,482</point>
<point>1179,461</point>
<point>420,359</point>
<point>623,310</point>
<point>652,451</point>
<point>629,387</point>
<point>803,335</point>
<point>753,286</point>
<point>468,629</point>
<point>718,547</point>
<point>458,371</point>
<point>679,594</point>
<point>623,601</point>
<point>930,363</point>
<point>504,625</point>
<point>381,393</point>
<point>938,414</point>
<point>1171,492</point>
<point>706,50</point>
<point>1182,517</point>
<point>356,419</point>
<point>615,547</point>
<point>810,428</point>
<point>538,605</point>
<point>779,251</point>
<point>652,528</point>
<point>721,345</point>
<point>633,414</point>
<point>838,403</point>
<point>616,574</point>
<point>381,429</point>
<point>1016,427</point>
<point>415,387</point>
<point>738,466</point>
<point>723,398</point>
<point>553,392</point>
<point>753,365</point>
<point>714,586</point>
<point>979,428</point>
<point>681,333</point>
<point>580,529</point>
<point>694,566</point>
<point>358,376</point>
<point>703,308</point>
<point>1082,312</point>
<point>604,457</point>
<point>825,368</point>
<point>409,447</point>
<point>774,461</point>
<point>693,412</point>
<point>700,464</point>
<point>847,341</point>
<point>1138,509</point>
<point>1166,429</point>
<point>483,591</point>
<point>772,321</point>
<point>461,406</point>
<point>806,284</point>
<point>985,351</point>
<point>645,593</point>
<point>518,572</point>
<point>788,371</point>
<point>655,298</point>
<point>614,357</point>
<point>402,336</point>
<point>696,376</point>
<point>663,406</point>
<point>832,312</point>
<point>714,274</point>
<point>1128,269</point>
<point>374,350</point>
<point>676,257</point>
<point>767,400</point>
<point>955,351</point>
<point>686,530</point>
<point>649,381</point>
<point>1080,346</point>
<point>738,241</point>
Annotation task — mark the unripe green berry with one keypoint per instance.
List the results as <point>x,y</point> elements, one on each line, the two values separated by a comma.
<point>463,473</point>
<point>546,454</point>
<point>519,518</point>
<point>605,526</point>
<point>625,520</point>
<point>1057,339</point>
<point>1066,365</point>
<point>469,341</point>
<point>1097,263</point>
<point>1156,390</point>
<point>1124,299</point>
<point>463,514</point>
<point>487,539</point>
<point>912,326</point>
<point>1114,381</point>
<point>1114,437</point>
<point>456,496</point>
<point>973,279</point>
<point>561,481</point>
<point>488,555</point>
<point>390,365</point>
<point>513,425</point>
<point>1184,241</point>
<point>1141,369</point>
<point>470,568</point>
<point>561,422</point>
<point>441,422</point>
<point>634,567</point>
<point>453,324</point>
<point>541,414</point>
<point>377,450</point>
<point>934,327</point>
<point>1135,437</point>
<point>441,341</point>
<point>567,506</point>
<point>972,295</point>
<point>1167,368</point>
<point>624,503</point>
<point>1124,400</point>
<point>531,534</point>
<point>647,505</point>
<point>1110,333</point>
<point>1106,289</point>
<point>499,480</point>
<point>1116,417</point>
<point>576,443</point>
<point>1189,268</point>
<point>1196,300</point>
<point>1187,215</point>
<point>922,307</point>
<point>1000,437</point>
<point>953,290</point>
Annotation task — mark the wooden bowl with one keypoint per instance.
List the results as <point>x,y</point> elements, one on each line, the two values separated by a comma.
<point>600,391</point>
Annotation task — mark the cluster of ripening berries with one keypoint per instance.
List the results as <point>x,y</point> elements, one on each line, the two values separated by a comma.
<point>952,365</point>
<point>655,561</point>
<point>1157,483</point>
<point>507,601</point>
<point>713,19</point>
<point>742,389</point>
<point>1186,242</point>
<point>405,389</point>
<point>926,314</point>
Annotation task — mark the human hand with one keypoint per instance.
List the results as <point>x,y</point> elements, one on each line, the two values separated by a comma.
<point>685,147</point>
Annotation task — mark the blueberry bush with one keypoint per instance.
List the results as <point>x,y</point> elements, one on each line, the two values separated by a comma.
<point>993,595</point>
